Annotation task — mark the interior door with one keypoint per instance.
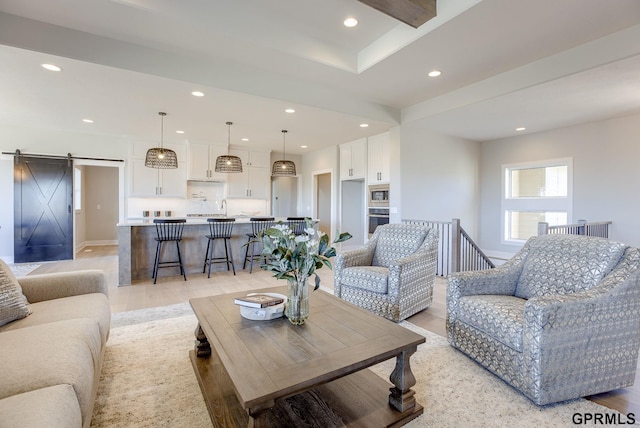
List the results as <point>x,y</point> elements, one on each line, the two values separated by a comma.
<point>43,218</point>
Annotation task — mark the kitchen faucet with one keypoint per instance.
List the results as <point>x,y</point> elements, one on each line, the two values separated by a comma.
<point>223,205</point>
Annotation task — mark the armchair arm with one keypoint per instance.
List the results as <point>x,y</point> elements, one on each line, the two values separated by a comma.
<point>587,332</point>
<point>358,257</point>
<point>415,270</point>
<point>51,286</point>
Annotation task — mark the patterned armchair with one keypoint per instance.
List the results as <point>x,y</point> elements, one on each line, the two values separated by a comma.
<point>393,274</point>
<point>560,320</point>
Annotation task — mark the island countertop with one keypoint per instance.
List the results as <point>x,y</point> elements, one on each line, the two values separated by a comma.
<point>137,247</point>
<point>190,220</point>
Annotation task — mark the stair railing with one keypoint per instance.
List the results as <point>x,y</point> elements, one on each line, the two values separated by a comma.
<point>582,227</point>
<point>456,250</point>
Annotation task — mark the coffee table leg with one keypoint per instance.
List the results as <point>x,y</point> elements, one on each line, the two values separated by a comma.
<point>257,414</point>
<point>202,347</point>
<point>402,396</point>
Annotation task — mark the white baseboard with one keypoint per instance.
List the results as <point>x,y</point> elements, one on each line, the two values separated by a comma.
<point>97,243</point>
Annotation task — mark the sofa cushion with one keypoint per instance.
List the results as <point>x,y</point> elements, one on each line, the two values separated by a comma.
<point>94,305</point>
<point>13,304</point>
<point>61,352</point>
<point>500,317</point>
<point>52,407</point>
<point>565,264</point>
<point>396,241</point>
<point>370,278</point>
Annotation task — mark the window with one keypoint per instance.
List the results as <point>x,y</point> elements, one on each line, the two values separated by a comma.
<point>535,192</point>
<point>77,189</point>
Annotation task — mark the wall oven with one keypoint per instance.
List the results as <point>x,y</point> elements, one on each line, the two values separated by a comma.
<point>377,217</point>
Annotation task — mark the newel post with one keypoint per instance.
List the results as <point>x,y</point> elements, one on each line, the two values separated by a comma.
<point>455,245</point>
<point>543,228</point>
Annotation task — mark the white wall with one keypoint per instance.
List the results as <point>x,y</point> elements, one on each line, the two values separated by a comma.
<point>439,177</point>
<point>605,175</point>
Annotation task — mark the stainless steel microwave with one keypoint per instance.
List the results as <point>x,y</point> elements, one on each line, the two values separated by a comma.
<point>379,195</point>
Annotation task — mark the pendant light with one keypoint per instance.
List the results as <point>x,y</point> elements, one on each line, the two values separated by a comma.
<point>159,157</point>
<point>228,163</point>
<point>283,167</point>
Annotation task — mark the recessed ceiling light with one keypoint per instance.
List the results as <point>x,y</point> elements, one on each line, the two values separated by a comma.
<point>303,147</point>
<point>290,110</point>
<point>520,129</point>
<point>364,125</point>
<point>435,73</point>
<point>51,67</point>
<point>179,131</point>
<point>350,22</point>
<point>87,120</point>
<point>245,139</point>
<point>197,94</point>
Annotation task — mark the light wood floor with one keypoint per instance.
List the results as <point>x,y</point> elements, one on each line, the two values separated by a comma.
<point>144,294</point>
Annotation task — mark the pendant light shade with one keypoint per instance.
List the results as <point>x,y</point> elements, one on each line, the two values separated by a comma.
<point>159,157</point>
<point>283,167</point>
<point>228,163</point>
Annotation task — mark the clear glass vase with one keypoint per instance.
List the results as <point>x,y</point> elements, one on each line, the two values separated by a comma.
<point>297,308</point>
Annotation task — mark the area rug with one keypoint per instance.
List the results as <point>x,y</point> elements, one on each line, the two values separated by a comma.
<point>147,381</point>
<point>23,269</point>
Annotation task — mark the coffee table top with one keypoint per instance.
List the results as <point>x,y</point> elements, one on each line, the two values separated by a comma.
<point>267,360</point>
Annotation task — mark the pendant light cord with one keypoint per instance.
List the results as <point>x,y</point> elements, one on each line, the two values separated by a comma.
<point>284,153</point>
<point>162,115</point>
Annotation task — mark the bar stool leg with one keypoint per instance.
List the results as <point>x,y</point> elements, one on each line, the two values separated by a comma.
<point>230,257</point>
<point>246,252</point>
<point>210,255</point>
<point>182,271</point>
<point>206,256</point>
<point>155,265</point>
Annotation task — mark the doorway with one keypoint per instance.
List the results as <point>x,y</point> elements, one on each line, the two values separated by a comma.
<point>322,201</point>
<point>284,196</point>
<point>43,209</point>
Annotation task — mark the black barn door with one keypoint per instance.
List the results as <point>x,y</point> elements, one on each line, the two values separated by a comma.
<point>43,215</point>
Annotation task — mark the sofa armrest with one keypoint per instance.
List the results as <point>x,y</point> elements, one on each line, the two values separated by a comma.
<point>51,286</point>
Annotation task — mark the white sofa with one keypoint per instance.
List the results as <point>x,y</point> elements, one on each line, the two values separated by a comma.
<point>50,360</point>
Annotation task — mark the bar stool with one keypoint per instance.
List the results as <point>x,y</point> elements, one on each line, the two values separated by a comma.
<point>297,224</point>
<point>219,228</point>
<point>258,225</point>
<point>168,230</point>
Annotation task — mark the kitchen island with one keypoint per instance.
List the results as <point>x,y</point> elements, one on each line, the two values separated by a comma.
<point>137,248</point>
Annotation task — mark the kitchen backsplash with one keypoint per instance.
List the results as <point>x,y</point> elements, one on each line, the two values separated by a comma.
<point>204,198</point>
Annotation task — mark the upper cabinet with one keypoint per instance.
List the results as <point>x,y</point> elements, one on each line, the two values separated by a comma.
<point>254,181</point>
<point>353,160</point>
<point>145,182</point>
<point>201,161</point>
<point>379,165</point>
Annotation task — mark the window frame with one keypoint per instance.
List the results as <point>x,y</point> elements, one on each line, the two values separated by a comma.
<point>533,204</point>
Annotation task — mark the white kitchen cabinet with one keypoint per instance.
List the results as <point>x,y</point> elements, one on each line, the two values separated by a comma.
<point>201,161</point>
<point>145,182</point>
<point>353,160</point>
<point>254,181</point>
<point>379,165</point>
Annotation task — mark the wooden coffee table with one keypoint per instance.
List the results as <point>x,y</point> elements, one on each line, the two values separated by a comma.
<point>272,373</point>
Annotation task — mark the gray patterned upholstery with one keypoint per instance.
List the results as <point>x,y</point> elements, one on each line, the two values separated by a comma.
<point>558,321</point>
<point>393,274</point>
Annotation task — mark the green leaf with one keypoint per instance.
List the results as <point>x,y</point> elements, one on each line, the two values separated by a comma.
<point>324,241</point>
<point>343,237</point>
<point>317,283</point>
<point>331,252</point>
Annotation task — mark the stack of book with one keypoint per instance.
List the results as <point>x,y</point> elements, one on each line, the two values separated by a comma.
<point>258,301</point>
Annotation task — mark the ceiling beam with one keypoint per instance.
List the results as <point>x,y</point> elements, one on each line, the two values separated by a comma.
<point>411,12</point>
